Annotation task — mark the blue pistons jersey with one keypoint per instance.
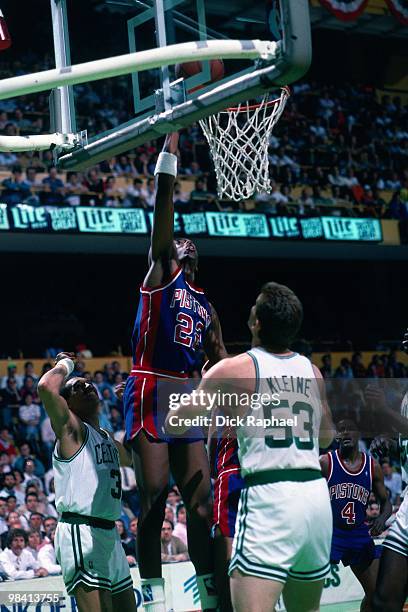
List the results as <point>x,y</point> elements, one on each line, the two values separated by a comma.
<point>349,491</point>
<point>170,326</point>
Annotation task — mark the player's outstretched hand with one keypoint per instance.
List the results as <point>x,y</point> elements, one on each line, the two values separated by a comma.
<point>171,143</point>
<point>382,446</point>
<point>65,355</point>
<point>119,390</point>
<point>377,526</point>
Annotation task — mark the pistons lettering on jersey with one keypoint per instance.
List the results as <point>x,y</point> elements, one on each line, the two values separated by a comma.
<point>183,299</point>
<point>106,453</point>
<point>350,491</point>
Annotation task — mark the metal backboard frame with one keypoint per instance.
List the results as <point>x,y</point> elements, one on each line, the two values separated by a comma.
<point>171,108</point>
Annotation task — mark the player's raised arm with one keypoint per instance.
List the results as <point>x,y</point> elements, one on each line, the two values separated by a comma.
<point>63,420</point>
<point>327,431</point>
<point>381,494</point>
<point>163,216</point>
<point>213,342</point>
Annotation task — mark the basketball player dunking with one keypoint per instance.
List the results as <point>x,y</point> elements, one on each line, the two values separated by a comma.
<point>351,476</point>
<point>173,321</point>
<point>279,546</point>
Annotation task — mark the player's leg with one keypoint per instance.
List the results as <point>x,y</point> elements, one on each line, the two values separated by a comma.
<point>367,577</point>
<point>190,469</point>
<point>151,463</point>
<point>222,558</point>
<point>391,587</point>
<point>88,598</point>
<point>253,594</point>
<point>301,596</point>
<point>227,489</point>
<point>124,601</point>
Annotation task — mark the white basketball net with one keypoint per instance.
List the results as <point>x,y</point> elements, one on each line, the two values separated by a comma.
<point>238,139</point>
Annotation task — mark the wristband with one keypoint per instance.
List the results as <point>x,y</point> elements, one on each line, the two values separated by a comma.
<point>68,364</point>
<point>166,164</point>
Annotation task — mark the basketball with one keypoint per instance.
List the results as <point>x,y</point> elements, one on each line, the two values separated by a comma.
<point>189,69</point>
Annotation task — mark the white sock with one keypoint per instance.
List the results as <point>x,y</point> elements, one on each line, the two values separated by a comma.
<point>208,594</point>
<point>153,594</point>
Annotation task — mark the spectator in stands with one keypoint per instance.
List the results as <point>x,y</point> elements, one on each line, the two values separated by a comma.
<point>8,159</point>
<point>129,490</point>
<point>35,187</point>
<point>15,189</point>
<point>149,193</point>
<point>29,414</point>
<point>49,524</point>
<point>74,188</point>
<point>7,487</point>
<point>29,388</point>
<point>344,370</point>
<point>30,478</point>
<point>36,522</point>
<point>113,195</point>
<point>169,513</point>
<point>200,198</point>
<point>359,370</point>
<point>11,502</point>
<point>11,373</point>
<point>53,193</point>
<point>393,482</point>
<point>193,169</point>
<point>128,543</point>
<point>3,513</point>
<point>48,439</point>
<point>172,548</point>
<point>326,367</point>
<point>318,129</point>
<point>20,485</point>
<point>180,530</point>
<point>181,198</point>
<point>7,442</point>
<point>26,452</point>
<point>46,555</point>
<point>17,562</point>
<point>124,167</point>
<point>134,195</point>
<point>24,125</point>
<point>34,542</point>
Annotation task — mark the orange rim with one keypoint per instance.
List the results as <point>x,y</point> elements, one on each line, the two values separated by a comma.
<point>249,107</point>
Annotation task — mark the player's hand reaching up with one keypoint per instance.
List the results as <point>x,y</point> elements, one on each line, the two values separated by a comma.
<point>65,355</point>
<point>377,526</point>
<point>383,446</point>
<point>171,143</point>
<point>119,390</point>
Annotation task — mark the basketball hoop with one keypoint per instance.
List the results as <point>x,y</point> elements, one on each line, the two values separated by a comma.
<point>239,139</point>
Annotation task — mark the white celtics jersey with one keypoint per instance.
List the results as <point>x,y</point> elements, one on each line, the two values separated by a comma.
<point>89,483</point>
<point>403,446</point>
<point>286,430</point>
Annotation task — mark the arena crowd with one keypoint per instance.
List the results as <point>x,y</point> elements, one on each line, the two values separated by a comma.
<point>337,151</point>
<point>28,515</point>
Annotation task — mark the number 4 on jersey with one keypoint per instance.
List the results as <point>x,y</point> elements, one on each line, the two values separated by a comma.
<point>348,513</point>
